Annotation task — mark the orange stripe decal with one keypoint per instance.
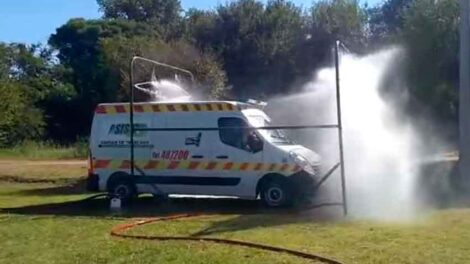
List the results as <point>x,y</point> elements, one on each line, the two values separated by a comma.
<point>284,167</point>
<point>120,108</point>
<point>183,107</point>
<point>244,166</point>
<point>211,165</point>
<point>193,165</point>
<point>125,164</point>
<point>100,109</point>
<point>272,167</point>
<point>152,164</point>
<point>228,166</point>
<point>173,165</point>
<point>156,108</point>
<point>196,165</point>
<point>138,108</point>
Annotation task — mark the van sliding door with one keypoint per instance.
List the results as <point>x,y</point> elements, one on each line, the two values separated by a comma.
<point>181,157</point>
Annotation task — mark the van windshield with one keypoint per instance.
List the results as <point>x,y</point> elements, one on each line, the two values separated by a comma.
<point>275,136</point>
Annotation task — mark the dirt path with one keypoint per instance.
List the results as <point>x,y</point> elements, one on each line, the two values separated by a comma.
<point>42,170</point>
<point>16,163</point>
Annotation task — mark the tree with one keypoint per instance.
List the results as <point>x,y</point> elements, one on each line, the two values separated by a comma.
<point>210,78</point>
<point>20,119</point>
<point>386,20</point>
<point>260,48</point>
<point>236,38</point>
<point>46,86</point>
<point>199,28</point>
<point>282,34</point>
<point>163,15</point>
<point>79,47</point>
<point>258,44</point>
<point>80,51</point>
<point>25,80</point>
<point>431,37</point>
<point>342,20</point>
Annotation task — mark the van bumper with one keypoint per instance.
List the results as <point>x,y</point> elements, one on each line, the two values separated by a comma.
<point>92,182</point>
<point>304,183</point>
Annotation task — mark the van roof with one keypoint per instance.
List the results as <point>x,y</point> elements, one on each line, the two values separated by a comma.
<point>175,102</point>
<point>193,106</point>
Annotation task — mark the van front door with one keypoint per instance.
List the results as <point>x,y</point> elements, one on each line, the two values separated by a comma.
<point>238,150</point>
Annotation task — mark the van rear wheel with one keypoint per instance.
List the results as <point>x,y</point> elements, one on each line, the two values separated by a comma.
<point>276,193</point>
<point>123,189</point>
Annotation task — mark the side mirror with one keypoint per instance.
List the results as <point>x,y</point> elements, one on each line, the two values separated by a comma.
<point>254,142</point>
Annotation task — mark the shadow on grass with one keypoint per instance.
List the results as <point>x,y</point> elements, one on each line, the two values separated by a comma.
<point>69,187</point>
<point>269,218</point>
<point>247,214</point>
<point>246,222</point>
<point>142,207</point>
<point>32,180</point>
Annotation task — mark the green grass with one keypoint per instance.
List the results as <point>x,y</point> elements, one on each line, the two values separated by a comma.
<point>43,223</point>
<point>38,150</point>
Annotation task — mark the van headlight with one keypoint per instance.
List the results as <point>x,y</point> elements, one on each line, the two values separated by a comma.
<point>302,162</point>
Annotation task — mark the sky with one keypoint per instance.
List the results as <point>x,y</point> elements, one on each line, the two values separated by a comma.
<point>33,21</point>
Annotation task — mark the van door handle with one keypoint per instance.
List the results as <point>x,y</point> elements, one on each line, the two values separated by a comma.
<point>222,157</point>
<point>197,156</point>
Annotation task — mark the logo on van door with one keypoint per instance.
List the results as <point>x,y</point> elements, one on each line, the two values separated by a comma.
<point>193,140</point>
<point>125,129</point>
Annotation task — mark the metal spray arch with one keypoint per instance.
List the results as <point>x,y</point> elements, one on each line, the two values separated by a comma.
<point>337,126</point>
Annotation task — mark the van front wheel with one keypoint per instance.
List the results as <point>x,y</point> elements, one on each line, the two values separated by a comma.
<point>276,193</point>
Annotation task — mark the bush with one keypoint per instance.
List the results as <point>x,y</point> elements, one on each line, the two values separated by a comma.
<point>21,120</point>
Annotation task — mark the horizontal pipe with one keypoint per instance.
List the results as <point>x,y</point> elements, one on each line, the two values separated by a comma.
<point>164,65</point>
<point>222,128</point>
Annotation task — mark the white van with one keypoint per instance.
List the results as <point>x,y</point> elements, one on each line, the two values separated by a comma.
<point>235,160</point>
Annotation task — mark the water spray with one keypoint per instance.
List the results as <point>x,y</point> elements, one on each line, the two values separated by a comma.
<point>381,148</point>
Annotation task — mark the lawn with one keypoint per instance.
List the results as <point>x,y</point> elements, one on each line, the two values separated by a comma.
<point>44,222</point>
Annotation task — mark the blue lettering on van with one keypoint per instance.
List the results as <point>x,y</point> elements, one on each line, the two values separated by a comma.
<point>125,129</point>
<point>193,140</point>
<point>124,144</point>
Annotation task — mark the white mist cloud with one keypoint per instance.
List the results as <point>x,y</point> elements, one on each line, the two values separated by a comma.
<point>379,147</point>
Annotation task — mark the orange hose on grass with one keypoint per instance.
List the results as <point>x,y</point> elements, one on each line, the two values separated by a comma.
<point>120,231</point>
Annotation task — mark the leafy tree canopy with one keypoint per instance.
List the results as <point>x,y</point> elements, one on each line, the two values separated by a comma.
<point>257,48</point>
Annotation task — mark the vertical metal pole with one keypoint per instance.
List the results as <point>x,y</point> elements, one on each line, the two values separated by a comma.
<point>340,129</point>
<point>464,95</point>
<point>131,114</point>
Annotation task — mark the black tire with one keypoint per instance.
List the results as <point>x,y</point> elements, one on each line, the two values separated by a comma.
<point>276,193</point>
<point>123,189</point>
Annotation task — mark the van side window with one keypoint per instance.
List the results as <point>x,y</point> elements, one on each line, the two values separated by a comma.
<point>233,131</point>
